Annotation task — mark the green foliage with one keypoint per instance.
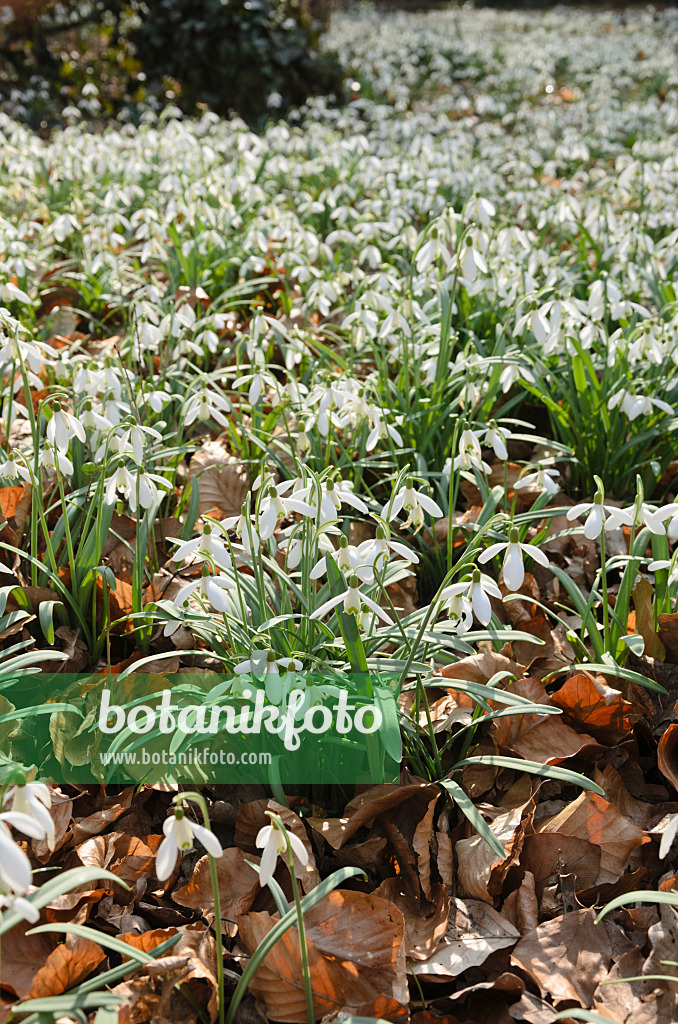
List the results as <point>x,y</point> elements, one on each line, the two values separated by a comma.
<point>127,58</point>
<point>246,55</point>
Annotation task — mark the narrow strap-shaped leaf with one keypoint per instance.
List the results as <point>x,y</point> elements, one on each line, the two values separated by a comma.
<point>63,883</point>
<point>63,1004</point>
<point>279,929</point>
<point>469,809</point>
<point>640,896</point>
<point>107,941</point>
<point>548,771</point>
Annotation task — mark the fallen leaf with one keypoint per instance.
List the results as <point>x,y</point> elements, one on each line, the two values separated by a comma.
<point>355,957</point>
<point>475,931</point>
<point>425,922</point>
<point>592,818</point>
<point>66,966</point>
<point>546,854</point>
<point>633,1002</point>
<point>567,957</point>
<point>543,738</point>
<point>642,594</point>
<point>668,635</point>
<point>521,907</point>
<point>481,872</point>
<point>22,957</point>
<point>238,887</point>
<point>223,481</point>
<point>667,755</point>
<point>595,707</point>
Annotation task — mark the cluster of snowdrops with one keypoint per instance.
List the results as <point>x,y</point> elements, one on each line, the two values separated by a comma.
<point>462,282</point>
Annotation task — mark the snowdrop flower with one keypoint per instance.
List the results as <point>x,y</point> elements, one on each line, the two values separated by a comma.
<point>458,605</point>
<point>34,800</point>
<point>272,840</point>
<point>380,431</point>
<point>11,469</point>
<point>207,543</point>
<point>348,560</point>
<point>205,405</point>
<point>334,493</point>
<point>15,874</point>
<point>599,516</point>
<point>496,438</point>
<point>470,453</point>
<point>482,588</point>
<point>259,378</point>
<point>480,209</point>
<point>148,485</point>
<point>514,571</point>
<point>664,563</point>
<point>93,420</point>
<point>277,505</point>
<point>179,835</point>
<point>352,601</point>
<point>413,502</point>
<point>471,261</point>
<point>121,480</point>
<point>637,405</point>
<point>278,673</point>
<point>513,372</point>
<point>210,588</point>
<point>650,516</point>
<point>535,321</point>
<point>51,459</point>
<point>63,427</point>
<point>242,529</point>
<point>32,353</point>
<point>543,480</point>
<point>374,554</point>
<point>432,249</point>
<point>668,835</point>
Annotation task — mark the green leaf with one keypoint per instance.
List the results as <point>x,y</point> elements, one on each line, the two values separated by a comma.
<point>587,1015</point>
<point>625,673</point>
<point>40,709</point>
<point>279,929</point>
<point>469,809</point>
<point>548,771</point>
<point>107,941</point>
<point>634,642</point>
<point>63,883</point>
<point>192,510</point>
<point>640,896</point>
<point>61,1005</point>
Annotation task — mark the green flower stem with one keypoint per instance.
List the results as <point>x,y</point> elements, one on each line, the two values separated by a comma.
<point>303,948</point>
<point>199,799</point>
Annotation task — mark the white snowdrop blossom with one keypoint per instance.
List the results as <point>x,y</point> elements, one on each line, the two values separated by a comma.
<point>279,505</point>
<point>180,834</point>
<point>599,516</point>
<point>205,405</point>
<point>208,543</point>
<point>514,571</point>
<point>542,480</point>
<point>415,503</point>
<point>273,841</point>
<point>650,516</point>
<point>64,427</point>
<point>210,589</point>
<point>32,799</point>
<point>352,601</point>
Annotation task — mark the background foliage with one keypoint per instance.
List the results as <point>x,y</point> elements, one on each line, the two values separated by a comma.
<point>251,56</point>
